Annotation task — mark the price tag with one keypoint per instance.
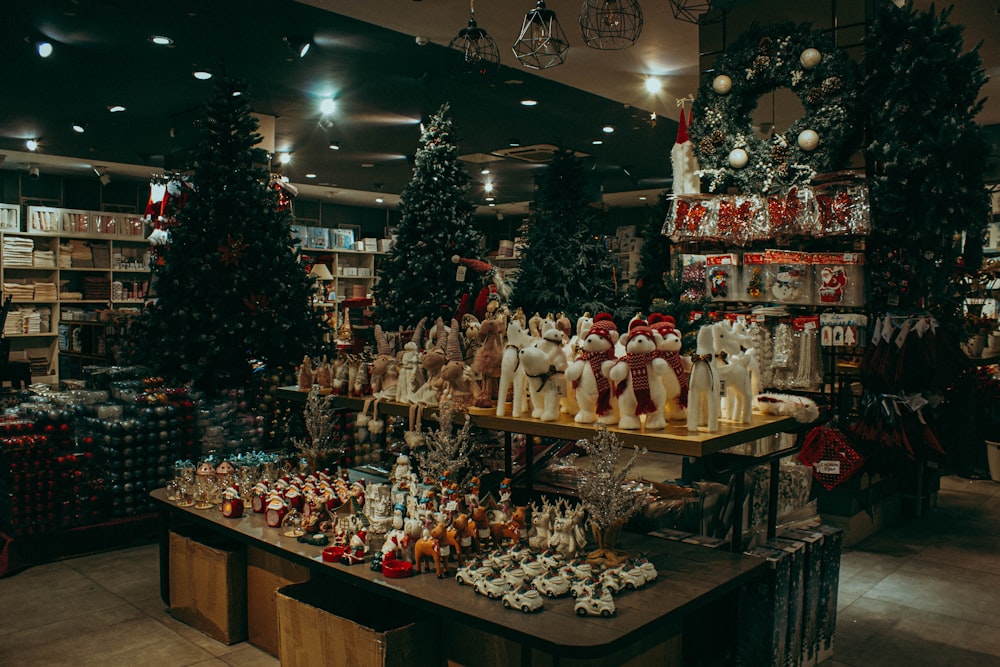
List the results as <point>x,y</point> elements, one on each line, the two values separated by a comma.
<point>460,273</point>
<point>451,506</point>
<point>828,467</point>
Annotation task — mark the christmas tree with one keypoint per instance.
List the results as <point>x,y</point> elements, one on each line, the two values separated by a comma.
<point>929,159</point>
<point>230,290</point>
<point>566,267</point>
<point>653,272</point>
<point>418,278</point>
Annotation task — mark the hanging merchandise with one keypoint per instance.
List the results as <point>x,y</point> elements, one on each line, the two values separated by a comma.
<point>830,454</point>
<point>788,276</point>
<point>838,279</point>
<point>690,217</point>
<point>693,277</point>
<point>754,272</point>
<point>842,329</point>
<point>809,369</point>
<point>722,273</point>
<point>842,209</point>
<point>739,218</point>
<point>910,354</point>
<point>790,212</point>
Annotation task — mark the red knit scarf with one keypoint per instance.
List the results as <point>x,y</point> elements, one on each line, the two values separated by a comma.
<point>674,359</point>
<point>637,365</point>
<point>596,360</point>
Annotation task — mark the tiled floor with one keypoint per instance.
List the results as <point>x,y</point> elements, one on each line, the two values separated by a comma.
<point>926,592</point>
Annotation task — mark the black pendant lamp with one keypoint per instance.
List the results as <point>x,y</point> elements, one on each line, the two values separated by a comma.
<point>690,10</point>
<point>541,43</point>
<point>610,24</point>
<point>472,54</point>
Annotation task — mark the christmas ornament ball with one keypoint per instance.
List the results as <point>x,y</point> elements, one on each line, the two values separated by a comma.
<point>722,84</point>
<point>738,158</point>
<point>808,140</point>
<point>810,58</point>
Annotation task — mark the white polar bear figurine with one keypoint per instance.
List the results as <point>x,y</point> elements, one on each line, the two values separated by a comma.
<point>637,375</point>
<point>675,380</point>
<point>544,366</point>
<point>588,374</point>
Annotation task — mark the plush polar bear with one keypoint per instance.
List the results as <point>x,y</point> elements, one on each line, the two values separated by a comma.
<point>544,365</point>
<point>594,396</point>
<point>675,380</point>
<point>637,375</point>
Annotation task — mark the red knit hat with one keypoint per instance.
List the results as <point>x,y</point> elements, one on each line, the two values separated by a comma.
<point>661,323</point>
<point>639,328</point>
<point>476,265</point>
<point>604,326</point>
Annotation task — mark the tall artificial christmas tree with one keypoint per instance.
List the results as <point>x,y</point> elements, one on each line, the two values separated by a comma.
<point>566,267</point>
<point>928,160</point>
<point>230,290</point>
<point>418,278</point>
<point>653,273</point>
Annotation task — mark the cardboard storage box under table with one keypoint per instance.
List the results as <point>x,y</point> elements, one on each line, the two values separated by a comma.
<point>649,621</point>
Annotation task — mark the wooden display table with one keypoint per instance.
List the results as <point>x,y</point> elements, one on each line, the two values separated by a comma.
<point>690,578</point>
<point>674,439</point>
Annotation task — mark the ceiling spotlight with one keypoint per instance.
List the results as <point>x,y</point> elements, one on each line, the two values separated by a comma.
<point>597,142</point>
<point>202,74</point>
<point>43,48</point>
<point>473,54</point>
<point>379,200</point>
<point>299,46</point>
<point>310,175</point>
<point>653,85</point>
<point>284,158</point>
<point>116,108</point>
<point>334,145</point>
<point>367,165</point>
<point>161,40</point>
<point>494,204</point>
<point>541,43</point>
<point>484,171</point>
<point>31,145</point>
<point>79,128</point>
<point>102,175</point>
<point>488,187</point>
<point>608,129</point>
<point>327,106</point>
<point>529,103</point>
<point>642,197</point>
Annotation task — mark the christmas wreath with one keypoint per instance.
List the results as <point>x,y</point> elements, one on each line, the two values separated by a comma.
<point>761,61</point>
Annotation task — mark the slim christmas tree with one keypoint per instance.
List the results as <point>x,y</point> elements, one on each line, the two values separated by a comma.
<point>418,278</point>
<point>929,159</point>
<point>566,266</point>
<point>230,289</point>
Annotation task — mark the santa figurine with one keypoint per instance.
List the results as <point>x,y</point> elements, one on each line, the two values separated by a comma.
<point>356,548</point>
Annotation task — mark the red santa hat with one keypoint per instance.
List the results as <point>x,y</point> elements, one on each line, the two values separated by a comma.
<point>639,328</point>
<point>476,265</point>
<point>604,326</point>
<point>362,536</point>
<point>682,128</point>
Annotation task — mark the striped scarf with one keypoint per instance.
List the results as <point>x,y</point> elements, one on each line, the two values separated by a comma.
<point>596,359</point>
<point>638,363</point>
<point>674,359</point>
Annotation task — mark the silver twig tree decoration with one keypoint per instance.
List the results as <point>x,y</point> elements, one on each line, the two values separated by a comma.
<point>319,415</point>
<point>454,453</point>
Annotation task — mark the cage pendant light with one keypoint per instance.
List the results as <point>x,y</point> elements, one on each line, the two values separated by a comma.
<point>541,43</point>
<point>690,11</point>
<point>473,54</point>
<point>610,24</point>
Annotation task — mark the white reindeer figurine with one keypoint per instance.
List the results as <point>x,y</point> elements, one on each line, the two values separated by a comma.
<point>703,387</point>
<point>511,374</point>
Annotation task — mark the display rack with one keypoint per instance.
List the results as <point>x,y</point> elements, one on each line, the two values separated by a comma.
<point>353,272</point>
<point>116,274</point>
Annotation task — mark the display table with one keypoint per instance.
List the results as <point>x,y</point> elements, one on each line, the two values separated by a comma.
<point>690,578</point>
<point>674,439</point>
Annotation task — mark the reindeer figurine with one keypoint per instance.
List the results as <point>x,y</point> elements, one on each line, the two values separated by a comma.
<point>541,525</point>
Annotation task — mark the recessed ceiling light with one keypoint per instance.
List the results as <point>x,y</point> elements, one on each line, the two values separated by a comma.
<point>514,143</point>
<point>161,40</point>
<point>490,198</point>
<point>284,158</point>
<point>608,129</point>
<point>79,128</point>
<point>116,108</point>
<point>379,200</point>
<point>334,145</point>
<point>529,103</point>
<point>310,175</point>
<point>43,48</point>
<point>597,142</point>
<point>653,85</point>
<point>492,203</point>
<point>642,197</point>
<point>367,165</point>
<point>31,144</point>
<point>488,187</point>
<point>201,74</point>
<point>484,171</point>
<point>327,106</point>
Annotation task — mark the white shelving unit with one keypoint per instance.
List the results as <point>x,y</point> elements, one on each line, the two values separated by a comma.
<point>353,271</point>
<point>50,261</point>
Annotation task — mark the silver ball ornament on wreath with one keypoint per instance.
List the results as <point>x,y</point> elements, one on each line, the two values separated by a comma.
<point>738,158</point>
<point>722,84</point>
<point>808,140</point>
<point>810,58</point>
